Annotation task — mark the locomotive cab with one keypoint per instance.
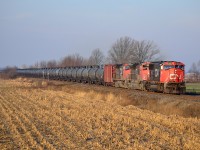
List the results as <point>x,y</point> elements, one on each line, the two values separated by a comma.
<point>162,76</point>
<point>123,72</point>
<point>154,71</point>
<point>122,75</point>
<point>172,72</point>
<point>172,76</point>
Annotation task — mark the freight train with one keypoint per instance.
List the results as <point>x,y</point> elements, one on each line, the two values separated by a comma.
<point>160,76</point>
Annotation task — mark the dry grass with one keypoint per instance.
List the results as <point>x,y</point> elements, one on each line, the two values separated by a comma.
<point>35,115</point>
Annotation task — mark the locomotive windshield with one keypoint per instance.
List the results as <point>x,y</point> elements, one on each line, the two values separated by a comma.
<point>172,66</point>
<point>168,67</point>
<point>127,67</point>
<point>179,67</point>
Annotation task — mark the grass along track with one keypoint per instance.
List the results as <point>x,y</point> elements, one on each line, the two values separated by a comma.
<point>40,116</point>
<point>193,88</point>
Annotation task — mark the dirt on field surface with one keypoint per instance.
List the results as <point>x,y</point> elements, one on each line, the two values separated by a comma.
<point>37,114</point>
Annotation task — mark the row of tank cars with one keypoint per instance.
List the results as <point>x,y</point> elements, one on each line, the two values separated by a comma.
<point>87,74</point>
<point>161,76</point>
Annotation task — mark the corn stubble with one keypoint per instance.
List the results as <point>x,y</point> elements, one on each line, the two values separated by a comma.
<point>38,116</point>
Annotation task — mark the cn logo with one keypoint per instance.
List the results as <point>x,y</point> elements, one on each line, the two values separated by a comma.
<point>173,76</point>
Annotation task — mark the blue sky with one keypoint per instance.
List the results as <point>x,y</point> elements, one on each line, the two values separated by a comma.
<point>33,30</point>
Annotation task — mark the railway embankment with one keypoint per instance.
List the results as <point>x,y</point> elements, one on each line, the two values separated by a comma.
<point>167,104</point>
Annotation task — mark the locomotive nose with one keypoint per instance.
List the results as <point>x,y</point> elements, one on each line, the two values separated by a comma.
<point>176,76</point>
<point>173,76</point>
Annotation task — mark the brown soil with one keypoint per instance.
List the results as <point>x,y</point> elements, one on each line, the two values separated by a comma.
<point>37,114</point>
<point>167,104</point>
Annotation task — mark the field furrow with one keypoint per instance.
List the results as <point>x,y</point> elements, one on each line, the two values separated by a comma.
<point>52,115</point>
<point>28,126</point>
<point>59,117</point>
<point>14,128</point>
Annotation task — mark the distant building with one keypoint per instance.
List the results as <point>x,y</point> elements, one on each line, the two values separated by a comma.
<point>192,77</point>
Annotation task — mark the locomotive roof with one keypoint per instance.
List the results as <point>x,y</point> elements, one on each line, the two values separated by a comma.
<point>161,62</point>
<point>167,61</point>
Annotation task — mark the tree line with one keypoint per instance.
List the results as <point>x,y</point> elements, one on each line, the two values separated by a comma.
<point>123,50</point>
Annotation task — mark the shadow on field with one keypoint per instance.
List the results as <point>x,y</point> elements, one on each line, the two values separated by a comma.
<point>193,93</point>
<point>169,106</point>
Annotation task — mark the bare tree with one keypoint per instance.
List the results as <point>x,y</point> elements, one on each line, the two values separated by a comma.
<point>127,50</point>
<point>120,51</point>
<point>72,60</point>
<point>97,57</point>
<point>66,61</point>
<point>43,64</point>
<point>198,66</point>
<point>194,71</point>
<point>51,64</point>
<point>8,72</point>
<point>78,60</point>
<point>36,65</point>
<point>144,51</point>
<point>193,68</point>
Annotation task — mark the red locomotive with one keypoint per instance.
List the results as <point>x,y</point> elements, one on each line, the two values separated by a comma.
<point>162,76</point>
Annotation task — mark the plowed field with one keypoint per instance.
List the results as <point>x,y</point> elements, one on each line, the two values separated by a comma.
<point>54,115</point>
